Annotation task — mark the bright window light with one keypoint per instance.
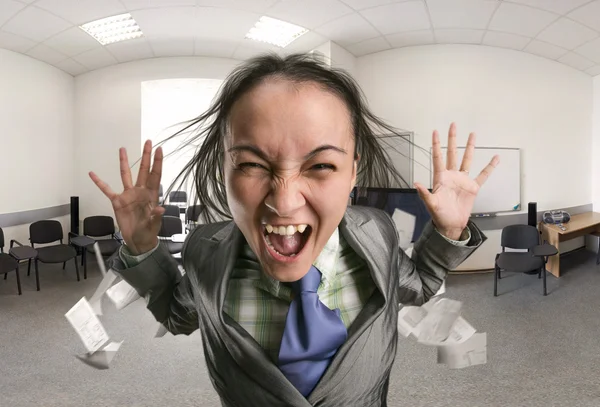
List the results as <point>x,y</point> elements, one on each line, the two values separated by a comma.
<point>113,29</point>
<point>275,32</point>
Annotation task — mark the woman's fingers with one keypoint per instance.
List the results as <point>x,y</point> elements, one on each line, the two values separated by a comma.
<point>103,186</point>
<point>145,165</point>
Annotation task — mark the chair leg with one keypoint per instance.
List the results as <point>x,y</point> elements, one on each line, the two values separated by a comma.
<point>29,268</point>
<point>5,275</point>
<point>544,273</point>
<point>18,279</point>
<point>37,275</point>
<point>84,261</point>
<point>496,274</point>
<point>598,253</point>
<point>83,255</point>
<point>76,267</point>
<point>64,265</point>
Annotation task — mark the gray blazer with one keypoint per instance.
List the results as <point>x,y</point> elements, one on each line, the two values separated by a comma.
<point>240,370</point>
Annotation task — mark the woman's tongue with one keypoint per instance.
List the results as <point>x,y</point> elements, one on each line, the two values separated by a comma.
<point>286,244</point>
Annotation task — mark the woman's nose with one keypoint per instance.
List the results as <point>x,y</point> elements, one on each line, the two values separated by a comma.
<point>285,199</point>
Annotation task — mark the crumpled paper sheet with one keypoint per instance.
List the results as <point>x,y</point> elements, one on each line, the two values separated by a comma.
<point>438,323</point>
<point>83,316</point>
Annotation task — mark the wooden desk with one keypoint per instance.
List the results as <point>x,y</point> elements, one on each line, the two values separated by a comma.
<point>579,225</point>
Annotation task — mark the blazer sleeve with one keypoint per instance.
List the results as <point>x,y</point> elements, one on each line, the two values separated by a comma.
<point>422,274</point>
<point>168,293</point>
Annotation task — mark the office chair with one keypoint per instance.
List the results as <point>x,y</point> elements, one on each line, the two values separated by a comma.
<point>171,225</point>
<point>171,210</point>
<point>533,261</point>
<point>50,231</point>
<point>8,263</point>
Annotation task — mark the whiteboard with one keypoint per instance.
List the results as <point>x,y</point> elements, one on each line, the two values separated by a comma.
<point>502,190</point>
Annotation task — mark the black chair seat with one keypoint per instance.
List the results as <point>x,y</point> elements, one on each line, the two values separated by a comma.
<point>56,254</point>
<point>519,262</point>
<point>173,247</point>
<point>23,252</point>
<point>107,246</point>
<point>7,263</point>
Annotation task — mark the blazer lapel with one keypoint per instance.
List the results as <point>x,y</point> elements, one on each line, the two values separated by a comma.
<point>376,255</point>
<point>219,256</point>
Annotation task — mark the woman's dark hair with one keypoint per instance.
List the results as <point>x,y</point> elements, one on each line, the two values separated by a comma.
<point>208,130</point>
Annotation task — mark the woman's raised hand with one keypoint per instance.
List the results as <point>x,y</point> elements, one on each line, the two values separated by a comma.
<point>136,208</point>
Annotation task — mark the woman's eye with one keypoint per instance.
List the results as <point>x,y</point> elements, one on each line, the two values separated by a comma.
<point>320,167</point>
<point>250,165</point>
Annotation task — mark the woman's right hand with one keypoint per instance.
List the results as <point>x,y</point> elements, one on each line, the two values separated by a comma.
<point>136,208</point>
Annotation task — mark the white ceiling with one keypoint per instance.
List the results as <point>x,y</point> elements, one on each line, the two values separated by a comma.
<point>567,31</point>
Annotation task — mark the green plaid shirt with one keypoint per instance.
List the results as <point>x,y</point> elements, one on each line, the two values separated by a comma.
<point>260,304</point>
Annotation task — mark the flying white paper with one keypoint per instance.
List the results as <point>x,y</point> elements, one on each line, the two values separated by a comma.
<point>472,352</point>
<point>438,323</point>
<point>405,225</point>
<point>87,325</point>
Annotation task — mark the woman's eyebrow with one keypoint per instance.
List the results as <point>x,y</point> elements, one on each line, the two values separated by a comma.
<point>259,153</point>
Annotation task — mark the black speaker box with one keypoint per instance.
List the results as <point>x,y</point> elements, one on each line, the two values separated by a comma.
<point>532,214</point>
<point>75,214</point>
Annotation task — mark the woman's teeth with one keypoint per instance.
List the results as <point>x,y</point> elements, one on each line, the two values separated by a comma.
<point>285,230</point>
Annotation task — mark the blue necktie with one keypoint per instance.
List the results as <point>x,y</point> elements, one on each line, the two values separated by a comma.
<point>312,335</point>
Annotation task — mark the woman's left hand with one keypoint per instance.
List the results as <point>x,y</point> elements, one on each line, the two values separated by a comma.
<point>453,194</point>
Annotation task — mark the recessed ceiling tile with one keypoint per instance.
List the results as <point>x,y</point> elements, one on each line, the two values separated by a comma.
<point>9,9</point>
<point>171,22</point>
<point>255,6</point>
<point>172,47</point>
<point>130,50</point>
<point>522,20</point>
<point>305,43</point>
<point>82,11</point>
<point>35,24</point>
<point>399,17</point>
<point>567,34</point>
<point>142,4</point>
<point>71,66</point>
<point>556,6</point>
<point>369,47</point>
<point>576,61</point>
<point>15,43</point>
<point>411,38</point>
<point>363,4</point>
<point>348,30</point>
<point>590,50</point>
<point>96,59</point>
<point>308,13</point>
<point>594,70</point>
<point>46,54</point>
<point>461,13</point>
<point>72,42</point>
<point>223,24</point>
<point>543,49</point>
<point>28,1</point>
<point>250,49</point>
<point>213,48</point>
<point>459,36</point>
<point>505,40</point>
<point>588,15</point>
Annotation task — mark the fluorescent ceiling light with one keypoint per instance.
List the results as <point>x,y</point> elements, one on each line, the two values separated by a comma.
<point>275,32</point>
<point>113,29</point>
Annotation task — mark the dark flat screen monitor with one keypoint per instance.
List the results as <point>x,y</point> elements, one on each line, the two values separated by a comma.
<point>389,199</point>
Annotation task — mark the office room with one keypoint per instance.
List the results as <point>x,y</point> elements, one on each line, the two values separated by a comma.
<point>81,321</point>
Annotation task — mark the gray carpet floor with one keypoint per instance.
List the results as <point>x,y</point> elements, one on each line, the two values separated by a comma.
<point>542,351</point>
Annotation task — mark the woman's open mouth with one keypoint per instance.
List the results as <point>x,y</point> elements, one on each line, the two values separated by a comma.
<point>285,242</point>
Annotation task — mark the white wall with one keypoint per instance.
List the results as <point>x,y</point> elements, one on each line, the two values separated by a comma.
<point>338,57</point>
<point>509,98</point>
<point>108,116</point>
<point>36,137</point>
<point>592,242</point>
